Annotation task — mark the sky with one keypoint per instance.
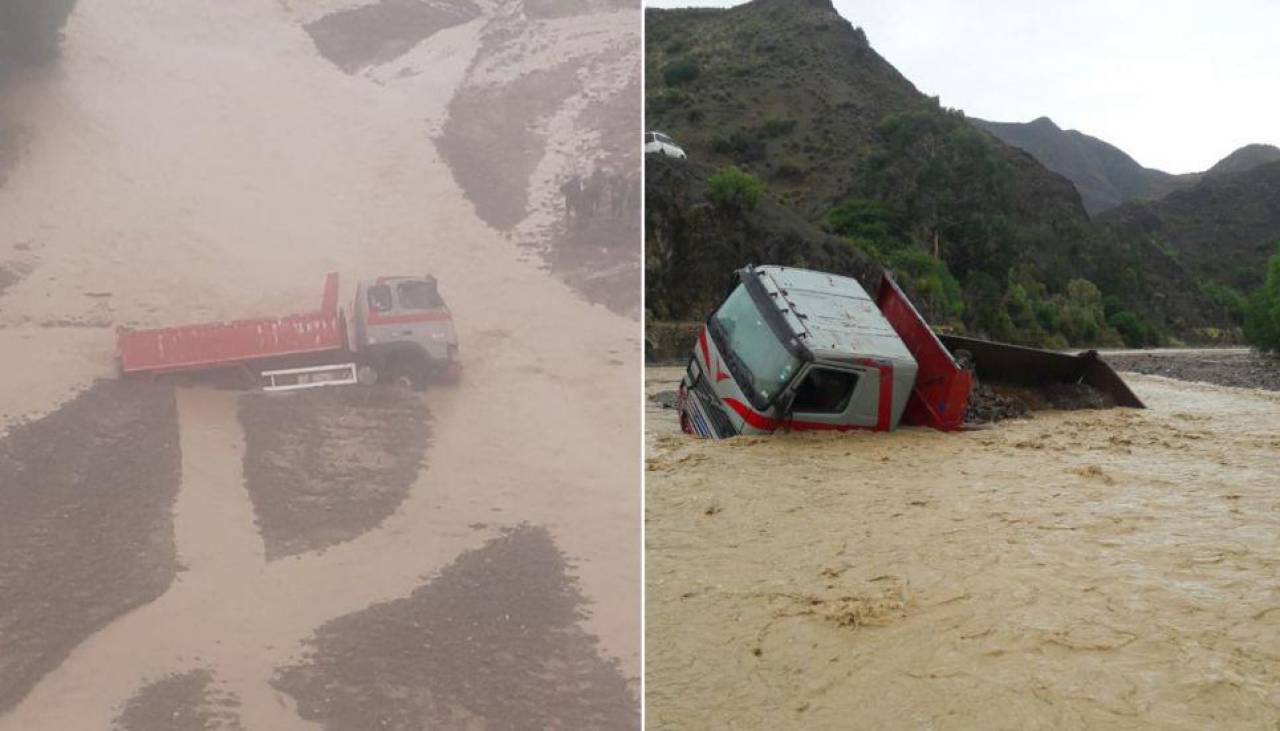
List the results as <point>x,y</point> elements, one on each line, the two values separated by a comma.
<point>1176,84</point>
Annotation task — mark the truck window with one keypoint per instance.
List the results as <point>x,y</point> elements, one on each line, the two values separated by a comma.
<point>754,354</point>
<point>380,298</point>
<point>825,391</point>
<point>418,295</point>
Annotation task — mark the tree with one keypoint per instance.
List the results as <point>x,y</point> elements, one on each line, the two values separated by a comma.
<point>1262,313</point>
<point>732,188</point>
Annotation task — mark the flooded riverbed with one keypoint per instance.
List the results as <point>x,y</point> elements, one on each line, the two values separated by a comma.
<point>187,161</point>
<point>1075,570</point>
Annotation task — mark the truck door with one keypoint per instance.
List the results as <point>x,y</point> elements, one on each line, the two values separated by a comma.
<point>829,397</point>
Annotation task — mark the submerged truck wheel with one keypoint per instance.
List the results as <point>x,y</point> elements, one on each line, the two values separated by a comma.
<point>405,372</point>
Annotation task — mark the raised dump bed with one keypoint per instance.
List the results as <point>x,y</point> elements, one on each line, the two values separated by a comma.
<point>239,343</point>
<point>942,387</point>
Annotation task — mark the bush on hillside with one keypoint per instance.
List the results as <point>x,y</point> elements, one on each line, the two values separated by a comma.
<point>732,188</point>
<point>681,71</point>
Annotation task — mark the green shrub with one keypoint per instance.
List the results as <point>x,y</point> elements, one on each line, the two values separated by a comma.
<point>869,221</point>
<point>930,279</point>
<point>1227,299</point>
<point>1136,332</point>
<point>681,71</point>
<point>1262,312</point>
<point>732,188</point>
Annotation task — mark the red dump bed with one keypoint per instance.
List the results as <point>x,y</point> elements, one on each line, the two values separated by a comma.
<point>222,344</point>
<point>942,388</point>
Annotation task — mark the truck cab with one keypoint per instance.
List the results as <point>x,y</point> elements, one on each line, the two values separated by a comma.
<point>796,349</point>
<point>404,331</point>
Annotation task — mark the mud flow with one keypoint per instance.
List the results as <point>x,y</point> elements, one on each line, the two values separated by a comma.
<point>1105,568</point>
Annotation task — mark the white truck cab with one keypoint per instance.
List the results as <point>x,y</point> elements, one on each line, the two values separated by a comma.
<point>798,349</point>
<point>656,142</point>
<point>404,330</point>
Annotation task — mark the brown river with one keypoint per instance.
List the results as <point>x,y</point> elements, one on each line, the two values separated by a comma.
<point>1112,569</point>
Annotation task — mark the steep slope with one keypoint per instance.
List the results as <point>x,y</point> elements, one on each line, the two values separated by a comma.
<point>1104,174</point>
<point>693,245</point>
<point>793,94</point>
<point>1221,229</point>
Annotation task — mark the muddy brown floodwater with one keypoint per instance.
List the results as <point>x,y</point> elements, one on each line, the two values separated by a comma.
<point>196,161</point>
<point>1083,569</point>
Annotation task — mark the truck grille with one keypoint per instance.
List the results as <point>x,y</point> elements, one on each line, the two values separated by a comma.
<point>711,405</point>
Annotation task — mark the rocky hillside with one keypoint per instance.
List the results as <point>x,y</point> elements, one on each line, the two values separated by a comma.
<point>1104,174</point>
<point>1220,230</point>
<point>693,244</point>
<point>854,155</point>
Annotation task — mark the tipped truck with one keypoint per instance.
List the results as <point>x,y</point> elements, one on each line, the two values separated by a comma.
<point>804,350</point>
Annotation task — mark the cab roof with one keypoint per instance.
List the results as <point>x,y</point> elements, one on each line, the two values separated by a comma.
<point>833,315</point>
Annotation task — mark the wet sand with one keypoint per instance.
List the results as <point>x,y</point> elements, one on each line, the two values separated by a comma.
<point>492,642</point>
<point>85,499</point>
<point>187,701</point>
<point>1236,367</point>
<point>323,466</point>
<point>202,161</point>
<point>1097,569</point>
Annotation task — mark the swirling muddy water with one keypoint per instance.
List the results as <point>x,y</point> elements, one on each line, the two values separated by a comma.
<point>1091,569</point>
<point>201,160</point>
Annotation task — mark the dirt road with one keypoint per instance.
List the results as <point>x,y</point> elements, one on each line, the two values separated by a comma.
<point>1103,569</point>
<point>197,160</point>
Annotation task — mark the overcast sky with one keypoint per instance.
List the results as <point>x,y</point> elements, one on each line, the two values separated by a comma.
<point>1176,84</point>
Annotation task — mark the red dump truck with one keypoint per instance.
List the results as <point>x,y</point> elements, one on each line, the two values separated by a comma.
<point>803,350</point>
<point>399,331</point>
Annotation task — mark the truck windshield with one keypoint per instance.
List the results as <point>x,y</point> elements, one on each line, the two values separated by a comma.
<point>759,362</point>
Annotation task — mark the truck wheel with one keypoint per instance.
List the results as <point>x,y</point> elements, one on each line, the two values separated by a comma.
<point>404,373</point>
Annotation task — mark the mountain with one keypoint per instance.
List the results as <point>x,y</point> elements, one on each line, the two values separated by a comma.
<point>795,96</point>
<point>1221,229</point>
<point>1104,174</point>
<point>1246,158</point>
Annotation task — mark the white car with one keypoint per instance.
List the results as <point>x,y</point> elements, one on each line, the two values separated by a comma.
<point>660,143</point>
